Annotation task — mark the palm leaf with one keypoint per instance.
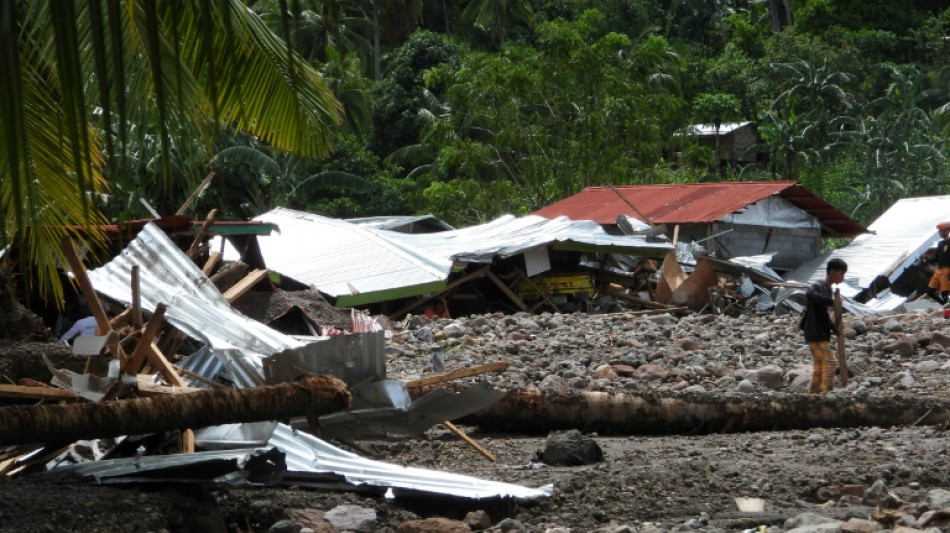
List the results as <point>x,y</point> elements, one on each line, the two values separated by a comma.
<point>336,180</point>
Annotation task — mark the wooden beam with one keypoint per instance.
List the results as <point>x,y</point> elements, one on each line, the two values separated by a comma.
<point>458,374</point>
<point>508,292</point>
<point>423,299</point>
<point>37,393</point>
<point>135,362</point>
<point>461,434</point>
<point>241,287</point>
<point>150,389</point>
<point>212,262</point>
<point>543,291</point>
<point>79,272</point>
<point>158,361</point>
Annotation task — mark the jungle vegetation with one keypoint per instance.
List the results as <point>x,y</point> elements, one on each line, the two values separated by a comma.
<point>467,109</point>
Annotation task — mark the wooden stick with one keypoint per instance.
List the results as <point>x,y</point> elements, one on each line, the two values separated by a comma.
<point>194,195</point>
<point>136,298</point>
<point>842,357</point>
<point>449,376</point>
<point>508,292</point>
<point>461,434</point>
<point>202,233</point>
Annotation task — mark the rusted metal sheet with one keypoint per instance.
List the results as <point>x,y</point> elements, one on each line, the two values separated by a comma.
<point>696,203</point>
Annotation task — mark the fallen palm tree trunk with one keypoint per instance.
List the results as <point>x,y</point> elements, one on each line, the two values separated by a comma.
<point>534,410</point>
<point>312,397</point>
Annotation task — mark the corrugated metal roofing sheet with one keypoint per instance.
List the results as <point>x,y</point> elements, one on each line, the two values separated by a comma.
<point>695,203</point>
<point>898,238</point>
<point>342,259</point>
<point>509,235</point>
<point>710,129</point>
<point>194,304</point>
<point>358,264</point>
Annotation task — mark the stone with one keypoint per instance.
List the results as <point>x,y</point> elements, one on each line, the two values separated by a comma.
<point>284,526</point>
<point>571,448</point>
<point>352,518</point>
<point>477,520</point>
<point>745,386</point>
<point>858,525</point>
<point>433,525</point>
<point>808,519</point>
<point>938,499</point>
<point>651,372</point>
<point>769,375</point>
<point>310,519</point>
<point>510,525</point>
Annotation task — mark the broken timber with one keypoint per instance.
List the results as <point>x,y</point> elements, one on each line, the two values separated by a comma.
<point>532,409</point>
<point>312,397</point>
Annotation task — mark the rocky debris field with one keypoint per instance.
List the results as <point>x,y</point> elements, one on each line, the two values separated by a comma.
<point>818,480</point>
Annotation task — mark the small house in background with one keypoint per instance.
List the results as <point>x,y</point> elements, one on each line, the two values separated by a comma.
<point>731,219</point>
<point>734,140</point>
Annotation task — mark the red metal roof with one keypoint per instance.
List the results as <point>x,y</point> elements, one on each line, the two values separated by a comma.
<point>695,203</point>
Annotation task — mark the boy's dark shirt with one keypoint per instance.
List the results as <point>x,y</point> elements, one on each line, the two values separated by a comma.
<point>817,323</point>
<point>942,259</point>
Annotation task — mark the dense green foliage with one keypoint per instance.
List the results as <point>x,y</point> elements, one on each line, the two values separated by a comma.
<point>467,109</point>
<point>498,106</point>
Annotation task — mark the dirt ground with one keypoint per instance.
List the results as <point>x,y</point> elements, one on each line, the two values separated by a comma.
<point>645,483</point>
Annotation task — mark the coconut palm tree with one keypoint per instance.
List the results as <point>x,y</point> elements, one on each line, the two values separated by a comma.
<point>81,79</point>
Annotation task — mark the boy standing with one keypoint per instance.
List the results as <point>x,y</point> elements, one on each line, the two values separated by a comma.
<point>818,327</point>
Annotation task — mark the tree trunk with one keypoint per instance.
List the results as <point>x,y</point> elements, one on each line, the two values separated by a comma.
<point>313,397</point>
<point>618,413</point>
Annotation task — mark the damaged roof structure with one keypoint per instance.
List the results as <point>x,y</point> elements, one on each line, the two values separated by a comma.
<point>359,264</point>
<point>153,277</point>
<point>893,246</point>
<point>730,219</point>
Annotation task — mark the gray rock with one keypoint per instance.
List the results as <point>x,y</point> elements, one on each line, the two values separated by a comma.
<point>769,375</point>
<point>509,525</point>
<point>284,526</point>
<point>745,386</point>
<point>571,448</point>
<point>808,519</point>
<point>938,499</point>
<point>352,518</point>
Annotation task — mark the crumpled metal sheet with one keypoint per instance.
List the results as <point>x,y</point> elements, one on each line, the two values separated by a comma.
<point>314,463</point>
<point>194,304</point>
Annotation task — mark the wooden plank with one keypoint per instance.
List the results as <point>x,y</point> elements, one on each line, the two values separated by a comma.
<point>188,441</point>
<point>421,300</point>
<point>842,357</point>
<point>508,292</point>
<point>151,389</point>
<point>449,376</point>
<point>158,361</point>
<point>79,272</point>
<point>461,434</point>
<point>135,362</point>
<point>37,393</point>
<point>212,262</point>
<point>241,287</point>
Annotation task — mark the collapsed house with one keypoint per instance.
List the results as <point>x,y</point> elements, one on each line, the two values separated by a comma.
<point>730,219</point>
<point>169,303</point>
<point>519,263</point>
